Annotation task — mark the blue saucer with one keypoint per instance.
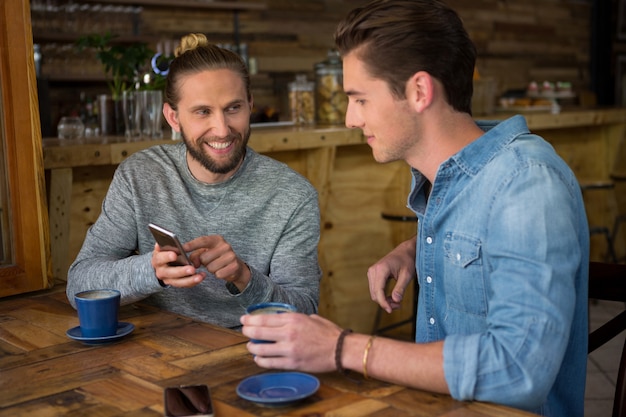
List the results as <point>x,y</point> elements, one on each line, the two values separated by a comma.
<point>123,329</point>
<point>278,389</point>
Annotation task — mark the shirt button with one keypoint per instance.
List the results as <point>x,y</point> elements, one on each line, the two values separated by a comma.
<point>429,279</point>
<point>429,240</point>
<point>458,256</point>
<point>431,321</point>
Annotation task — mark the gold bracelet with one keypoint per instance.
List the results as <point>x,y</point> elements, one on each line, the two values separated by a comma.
<point>366,354</point>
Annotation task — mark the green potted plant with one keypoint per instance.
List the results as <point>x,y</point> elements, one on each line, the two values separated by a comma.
<point>122,63</point>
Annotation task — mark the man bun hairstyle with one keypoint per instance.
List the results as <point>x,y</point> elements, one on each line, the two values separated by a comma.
<point>190,42</point>
<point>195,54</point>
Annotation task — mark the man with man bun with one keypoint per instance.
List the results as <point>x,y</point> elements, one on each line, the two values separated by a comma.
<point>249,223</point>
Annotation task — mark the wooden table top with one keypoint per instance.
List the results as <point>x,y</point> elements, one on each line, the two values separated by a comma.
<point>45,373</point>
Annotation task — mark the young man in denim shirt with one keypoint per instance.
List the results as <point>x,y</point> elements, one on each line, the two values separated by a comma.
<point>502,248</point>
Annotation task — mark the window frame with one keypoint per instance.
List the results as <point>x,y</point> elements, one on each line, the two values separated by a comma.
<point>20,133</point>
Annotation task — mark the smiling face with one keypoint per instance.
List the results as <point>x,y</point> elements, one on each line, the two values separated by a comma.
<point>387,122</point>
<point>213,118</point>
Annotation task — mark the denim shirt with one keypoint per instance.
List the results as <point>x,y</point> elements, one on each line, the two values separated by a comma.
<point>502,264</point>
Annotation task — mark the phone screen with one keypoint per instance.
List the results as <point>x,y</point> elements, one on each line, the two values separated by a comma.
<point>169,241</point>
<point>187,401</point>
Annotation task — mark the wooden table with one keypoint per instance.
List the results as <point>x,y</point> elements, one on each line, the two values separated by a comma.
<point>45,373</point>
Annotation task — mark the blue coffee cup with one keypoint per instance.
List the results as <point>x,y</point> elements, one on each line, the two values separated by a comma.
<point>97,312</point>
<point>269,308</point>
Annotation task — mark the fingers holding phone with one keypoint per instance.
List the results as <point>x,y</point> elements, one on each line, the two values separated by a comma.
<point>170,262</point>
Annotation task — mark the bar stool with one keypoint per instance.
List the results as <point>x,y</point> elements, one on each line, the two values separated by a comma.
<point>602,230</point>
<point>619,180</point>
<point>399,219</point>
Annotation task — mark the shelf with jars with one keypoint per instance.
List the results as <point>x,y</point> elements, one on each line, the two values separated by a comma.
<point>66,72</point>
<point>58,24</point>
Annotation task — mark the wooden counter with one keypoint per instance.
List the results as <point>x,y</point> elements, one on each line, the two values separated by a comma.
<point>353,189</point>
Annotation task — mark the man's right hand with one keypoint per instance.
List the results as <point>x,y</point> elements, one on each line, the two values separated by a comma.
<point>399,264</point>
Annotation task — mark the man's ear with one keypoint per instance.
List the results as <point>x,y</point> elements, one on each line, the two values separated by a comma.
<point>420,90</point>
<point>171,116</point>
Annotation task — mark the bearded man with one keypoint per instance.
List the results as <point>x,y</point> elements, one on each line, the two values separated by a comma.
<point>250,224</point>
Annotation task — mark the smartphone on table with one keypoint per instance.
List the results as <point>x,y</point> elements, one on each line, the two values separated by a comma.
<point>188,401</point>
<point>168,240</point>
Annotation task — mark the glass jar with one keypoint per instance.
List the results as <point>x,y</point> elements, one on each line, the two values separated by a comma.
<point>329,96</point>
<point>70,127</point>
<point>302,101</point>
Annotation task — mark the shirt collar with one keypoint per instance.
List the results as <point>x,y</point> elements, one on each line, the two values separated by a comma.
<point>473,157</point>
<point>498,134</point>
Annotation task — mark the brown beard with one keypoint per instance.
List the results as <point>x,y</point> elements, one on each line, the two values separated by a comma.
<point>196,152</point>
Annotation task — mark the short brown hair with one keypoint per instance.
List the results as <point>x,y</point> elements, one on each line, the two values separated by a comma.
<point>397,38</point>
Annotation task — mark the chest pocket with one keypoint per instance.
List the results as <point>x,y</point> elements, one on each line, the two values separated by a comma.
<point>464,281</point>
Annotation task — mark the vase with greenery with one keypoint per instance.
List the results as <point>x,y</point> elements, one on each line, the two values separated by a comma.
<point>122,63</point>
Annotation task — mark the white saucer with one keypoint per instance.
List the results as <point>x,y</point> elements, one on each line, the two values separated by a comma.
<point>123,329</point>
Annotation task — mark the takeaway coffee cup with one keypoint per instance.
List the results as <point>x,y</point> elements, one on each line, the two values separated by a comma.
<point>97,312</point>
<point>269,308</point>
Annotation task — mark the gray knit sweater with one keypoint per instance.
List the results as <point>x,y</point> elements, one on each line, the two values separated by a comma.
<point>267,212</point>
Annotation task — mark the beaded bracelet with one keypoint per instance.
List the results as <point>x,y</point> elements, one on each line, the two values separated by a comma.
<point>366,354</point>
<point>339,348</point>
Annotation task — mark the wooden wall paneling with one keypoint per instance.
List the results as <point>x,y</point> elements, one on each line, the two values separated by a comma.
<point>174,22</point>
<point>509,74</point>
<point>355,234</point>
<point>394,202</point>
<point>80,155</point>
<point>88,191</point>
<point>530,34</point>
<point>320,164</point>
<point>60,197</point>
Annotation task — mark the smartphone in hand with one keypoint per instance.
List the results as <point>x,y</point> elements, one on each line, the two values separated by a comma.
<point>168,240</point>
<point>188,401</point>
